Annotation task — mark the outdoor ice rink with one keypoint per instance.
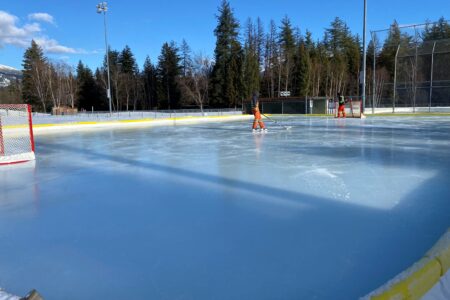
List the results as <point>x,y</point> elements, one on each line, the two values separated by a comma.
<point>330,209</point>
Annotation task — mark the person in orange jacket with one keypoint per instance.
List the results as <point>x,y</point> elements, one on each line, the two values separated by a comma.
<point>255,110</point>
<point>341,102</point>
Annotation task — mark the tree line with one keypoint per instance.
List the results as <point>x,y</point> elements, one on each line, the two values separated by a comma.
<point>247,58</point>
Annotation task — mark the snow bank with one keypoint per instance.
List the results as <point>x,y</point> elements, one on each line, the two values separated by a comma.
<point>5,296</point>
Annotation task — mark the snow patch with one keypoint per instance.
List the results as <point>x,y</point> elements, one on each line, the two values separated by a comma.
<point>323,172</point>
<point>8,68</point>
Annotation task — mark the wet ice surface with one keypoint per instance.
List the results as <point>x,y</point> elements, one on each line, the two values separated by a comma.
<point>328,210</point>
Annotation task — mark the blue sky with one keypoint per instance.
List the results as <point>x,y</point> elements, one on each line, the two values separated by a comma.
<point>72,30</point>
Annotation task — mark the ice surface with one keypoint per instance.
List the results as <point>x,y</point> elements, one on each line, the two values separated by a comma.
<point>331,209</point>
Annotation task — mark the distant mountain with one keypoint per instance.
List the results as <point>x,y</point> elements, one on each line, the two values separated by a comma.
<point>8,74</point>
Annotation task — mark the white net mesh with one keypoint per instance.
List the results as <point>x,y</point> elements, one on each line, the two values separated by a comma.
<point>352,108</point>
<point>16,135</point>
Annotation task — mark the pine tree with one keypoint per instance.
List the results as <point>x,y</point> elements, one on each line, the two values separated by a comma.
<point>128,71</point>
<point>150,83</point>
<point>88,95</point>
<point>353,53</point>
<point>234,78</point>
<point>169,70</point>
<point>371,56</point>
<point>186,60</point>
<point>309,43</point>
<point>271,62</point>
<point>251,60</point>
<point>127,61</point>
<point>114,72</point>
<point>336,36</point>
<point>301,73</point>
<point>437,31</point>
<point>34,68</point>
<point>99,82</point>
<point>394,39</point>
<point>227,72</point>
<point>259,40</point>
<point>342,68</point>
<point>287,47</point>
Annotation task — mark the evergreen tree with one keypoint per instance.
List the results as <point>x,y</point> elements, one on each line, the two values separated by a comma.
<point>259,40</point>
<point>437,31</point>
<point>394,39</point>
<point>98,76</point>
<point>301,73</point>
<point>287,48</point>
<point>126,61</point>
<point>33,82</point>
<point>251,60</point>
<point>344,54</point>
<point>353,53</point>
<point>309,43</point>
<point>336,37</point>
<point>234,77</point>
<point>372,52</point>
<point>150,83</point>
<point>88,95</point>
<point>128,71</point>
<point>272,63</point>
<point>186,60</point>
<point>114,72</point>
<point>169,70</point>
<point>227,72</point>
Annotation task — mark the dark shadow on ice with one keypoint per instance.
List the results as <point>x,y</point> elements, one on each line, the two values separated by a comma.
<point>217,180</point>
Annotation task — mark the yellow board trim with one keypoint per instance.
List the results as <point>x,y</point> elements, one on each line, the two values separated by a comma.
<point>416,285</point>
<point>416,281</point>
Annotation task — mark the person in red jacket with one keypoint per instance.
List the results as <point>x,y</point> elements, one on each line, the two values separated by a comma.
<point>255,110</point>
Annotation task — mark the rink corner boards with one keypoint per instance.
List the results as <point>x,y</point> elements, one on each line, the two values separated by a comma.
<point>426,279</point>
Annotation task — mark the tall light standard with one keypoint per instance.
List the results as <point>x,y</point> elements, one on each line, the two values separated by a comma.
<point>103,8</point>
<point>364,60</point>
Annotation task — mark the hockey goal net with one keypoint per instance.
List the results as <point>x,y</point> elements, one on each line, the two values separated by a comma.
<point>353,108</point>
<point>16,134</point>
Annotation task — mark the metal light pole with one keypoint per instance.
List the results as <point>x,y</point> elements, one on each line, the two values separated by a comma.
<point>364,59</point>
<point>103,8</point>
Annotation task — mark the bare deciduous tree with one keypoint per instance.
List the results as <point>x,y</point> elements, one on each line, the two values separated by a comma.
<point>38,70</point>
<point>195,85</point>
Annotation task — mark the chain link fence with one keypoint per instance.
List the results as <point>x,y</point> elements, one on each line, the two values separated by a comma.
<point>103,116</point>
<point>411,72</point>
<point>295,105</point>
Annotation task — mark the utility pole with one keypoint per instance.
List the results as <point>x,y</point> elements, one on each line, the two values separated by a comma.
<point>364,59</point>
<point>102,7</point>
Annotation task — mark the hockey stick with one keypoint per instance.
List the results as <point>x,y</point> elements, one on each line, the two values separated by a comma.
<point>285,127</point>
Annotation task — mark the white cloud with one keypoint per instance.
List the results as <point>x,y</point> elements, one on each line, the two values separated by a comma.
<point>42,17</point>
<point>52,46</point>
<point>21,36</point>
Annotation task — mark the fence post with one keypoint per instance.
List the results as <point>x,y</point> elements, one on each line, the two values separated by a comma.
<point>431,76</point>
<point>374,72</point>
<point>415,70</point>
<point>306,105</point>
<point>395,78</point>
